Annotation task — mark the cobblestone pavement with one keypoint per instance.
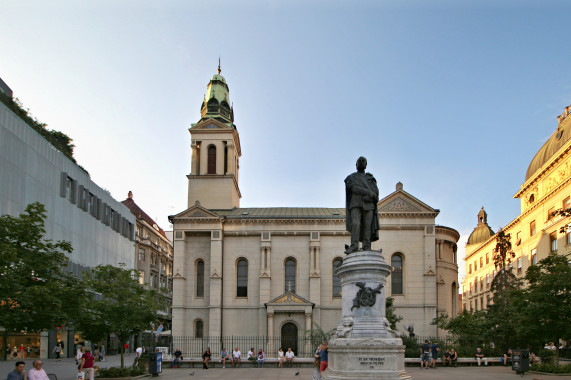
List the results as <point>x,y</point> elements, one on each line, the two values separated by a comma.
<point>66,370</point>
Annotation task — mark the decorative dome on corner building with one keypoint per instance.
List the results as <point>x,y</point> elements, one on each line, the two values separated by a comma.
<point>216,103</point>
<point>559,138</point>
<point>482,232</point>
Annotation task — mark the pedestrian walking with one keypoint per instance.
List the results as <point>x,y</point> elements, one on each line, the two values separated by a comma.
<point>57,351</point>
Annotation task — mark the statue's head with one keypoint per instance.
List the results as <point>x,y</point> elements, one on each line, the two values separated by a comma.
<point>361,163</point>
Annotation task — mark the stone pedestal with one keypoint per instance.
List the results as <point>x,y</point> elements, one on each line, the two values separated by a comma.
<point>364,346</point>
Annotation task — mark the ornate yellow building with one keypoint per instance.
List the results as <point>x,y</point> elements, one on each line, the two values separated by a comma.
<point>536,231</point>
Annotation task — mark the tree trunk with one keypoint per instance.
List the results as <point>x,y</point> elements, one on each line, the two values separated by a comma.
<point>122,348</point>
<point>5,344</point>
<point>556,356</point>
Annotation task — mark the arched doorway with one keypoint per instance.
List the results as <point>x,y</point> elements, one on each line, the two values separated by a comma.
<point>289,337</point>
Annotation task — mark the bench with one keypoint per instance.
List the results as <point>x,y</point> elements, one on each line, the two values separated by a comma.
<point>308,362</point>
<point>459,361</point>
<point>197,363</point>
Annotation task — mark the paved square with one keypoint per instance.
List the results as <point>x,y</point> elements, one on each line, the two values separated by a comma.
<point>66,370</point>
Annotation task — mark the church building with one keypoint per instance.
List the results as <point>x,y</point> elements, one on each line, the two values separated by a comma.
<point>271,271</point>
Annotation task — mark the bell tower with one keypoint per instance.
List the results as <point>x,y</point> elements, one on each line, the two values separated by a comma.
<point>215,144</point>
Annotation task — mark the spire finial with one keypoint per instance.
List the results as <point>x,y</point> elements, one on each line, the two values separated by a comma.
<point>219,69</point>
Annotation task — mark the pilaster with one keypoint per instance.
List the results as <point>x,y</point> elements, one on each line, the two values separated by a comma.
<point>194,158</point>
<point>315,273</point>
<point>215,280</point>
<point>180,284</point>
<point>230,158</point>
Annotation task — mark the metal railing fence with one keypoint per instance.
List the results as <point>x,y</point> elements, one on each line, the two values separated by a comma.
<point>195,347</point>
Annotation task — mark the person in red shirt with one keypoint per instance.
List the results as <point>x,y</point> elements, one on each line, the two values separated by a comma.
<point>22,352</point>
<point>86,364</point>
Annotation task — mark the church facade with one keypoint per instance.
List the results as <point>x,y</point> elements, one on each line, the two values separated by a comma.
<point>271,271</point>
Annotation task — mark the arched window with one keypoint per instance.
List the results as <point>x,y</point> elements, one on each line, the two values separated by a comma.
<point>242,278</point>
<point>211,160</point>
<point>290,269</point>
<point>396,276</point>
<point>200,278</point>
<point>198,329</point>
<point>336,281</point>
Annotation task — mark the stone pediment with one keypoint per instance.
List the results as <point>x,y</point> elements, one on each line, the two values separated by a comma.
<point>196,212</point>
<point>210,124</point>
<point>289,298</point>
<point>401,202</point>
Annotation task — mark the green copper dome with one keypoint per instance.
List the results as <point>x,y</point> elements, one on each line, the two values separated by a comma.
<point>216,103</point>
<point>559,138</point>
<point>482,232</point>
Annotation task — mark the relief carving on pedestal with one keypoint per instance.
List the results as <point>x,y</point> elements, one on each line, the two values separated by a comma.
<point>366,296</point>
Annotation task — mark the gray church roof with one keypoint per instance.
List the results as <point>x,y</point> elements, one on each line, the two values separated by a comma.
<point>283,212</point>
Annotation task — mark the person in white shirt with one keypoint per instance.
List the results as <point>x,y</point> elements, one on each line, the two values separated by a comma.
<point>139,351</point>
<point>289,356</point>
<point>37,373</point>
<point>236,357</point>
<point>251,355</point>
<point>281,358</point>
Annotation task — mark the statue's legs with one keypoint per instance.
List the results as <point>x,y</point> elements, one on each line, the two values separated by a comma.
<point>367,216</point>
<point>355,229</point>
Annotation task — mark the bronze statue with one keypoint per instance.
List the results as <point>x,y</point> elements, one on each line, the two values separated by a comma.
<point>362,218</point>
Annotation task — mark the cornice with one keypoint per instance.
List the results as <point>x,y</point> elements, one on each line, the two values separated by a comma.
<point>397,227</point>
<point>283,221</point>
<point>285,233</point>
<point>198,220</point>
<point>536,178</point>
<point>408,214</point>
<point>447,231</point>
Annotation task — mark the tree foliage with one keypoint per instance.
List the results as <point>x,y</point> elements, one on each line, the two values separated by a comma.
<point>36,291</point>
<point>390,313</point>
<point>501,316</point>
<point>59,140</point>
<point>503,253</point>
<point>465,326</point>
<point>544,305</point>
<point>116,304</point>
<point>522,316</point>
<point>317,335</point>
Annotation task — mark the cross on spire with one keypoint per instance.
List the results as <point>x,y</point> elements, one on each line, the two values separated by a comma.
<point>219,69</point>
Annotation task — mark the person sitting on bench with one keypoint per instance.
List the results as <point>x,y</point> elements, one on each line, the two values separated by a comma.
<point>177,356</point>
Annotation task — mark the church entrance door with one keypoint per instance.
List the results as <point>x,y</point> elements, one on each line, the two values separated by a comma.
<point>289,337</point>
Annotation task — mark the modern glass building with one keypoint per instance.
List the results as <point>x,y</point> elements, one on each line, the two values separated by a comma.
<point>100,229</point>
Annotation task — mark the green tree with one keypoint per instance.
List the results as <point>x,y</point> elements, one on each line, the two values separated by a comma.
<point>117,304</point>
<point>545,304</point>
<point>317,335</point>
<point>36,291</point>
<point>468,327</point>
<point>390,313</point>
<point>502,317</point>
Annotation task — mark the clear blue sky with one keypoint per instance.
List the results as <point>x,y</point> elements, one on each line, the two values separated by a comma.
<point>452,98</point>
